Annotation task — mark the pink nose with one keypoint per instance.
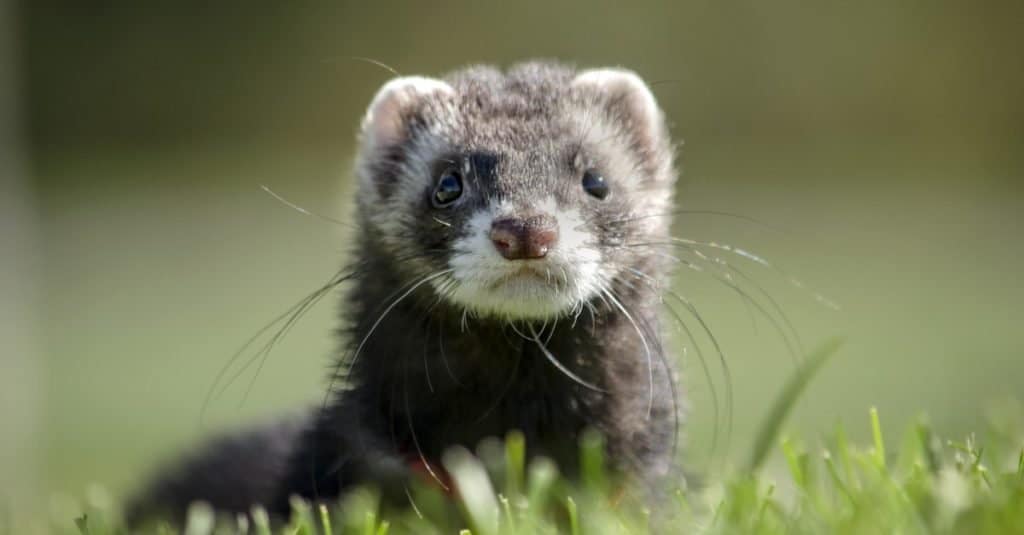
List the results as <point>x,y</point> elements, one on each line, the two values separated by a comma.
<point>524,238</point>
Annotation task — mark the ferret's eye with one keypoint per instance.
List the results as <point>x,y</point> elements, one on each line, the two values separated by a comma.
<point>448,190</point>
<point>594,184</point>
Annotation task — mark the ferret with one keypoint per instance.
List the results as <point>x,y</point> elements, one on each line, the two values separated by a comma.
<point>505,275</point>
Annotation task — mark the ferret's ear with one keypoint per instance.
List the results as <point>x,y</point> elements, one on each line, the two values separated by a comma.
<point>627,99</point>
<point>385,120</point>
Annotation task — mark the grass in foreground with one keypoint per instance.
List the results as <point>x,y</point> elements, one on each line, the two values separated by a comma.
<point>929,486</point>
<point>926,485</point>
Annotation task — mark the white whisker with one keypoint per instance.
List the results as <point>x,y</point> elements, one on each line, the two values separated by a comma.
<point>647,348</point>
<point>560,366</point>
<point>391,307</point>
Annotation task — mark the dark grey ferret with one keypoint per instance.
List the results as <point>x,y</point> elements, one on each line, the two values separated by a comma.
<point>506,276</point>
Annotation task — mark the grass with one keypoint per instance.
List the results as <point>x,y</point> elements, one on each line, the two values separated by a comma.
<point>929,486</point>
<point>925,485</point>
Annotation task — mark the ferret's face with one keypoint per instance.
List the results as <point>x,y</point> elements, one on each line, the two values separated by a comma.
<point>523,196</point>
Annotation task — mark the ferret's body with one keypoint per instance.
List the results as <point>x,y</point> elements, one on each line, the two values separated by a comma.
<point>505,277</point>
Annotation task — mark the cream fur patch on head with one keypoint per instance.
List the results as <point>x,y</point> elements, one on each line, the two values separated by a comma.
<point>382,124</point>
<point>621,83</point>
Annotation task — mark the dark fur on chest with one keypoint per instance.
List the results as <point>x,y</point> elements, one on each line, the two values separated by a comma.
<point>428,378</point>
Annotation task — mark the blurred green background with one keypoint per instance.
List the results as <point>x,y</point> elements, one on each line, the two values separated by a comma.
<point>880,143</point>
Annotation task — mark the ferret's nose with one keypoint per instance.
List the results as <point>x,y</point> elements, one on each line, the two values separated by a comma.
<point>524,238</point>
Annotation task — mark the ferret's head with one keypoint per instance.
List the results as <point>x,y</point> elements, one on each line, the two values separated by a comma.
<point>522,195</point>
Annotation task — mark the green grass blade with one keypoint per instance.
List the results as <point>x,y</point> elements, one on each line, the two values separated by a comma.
<point>795,460</point>
<point>769,430</point>
<point>574,519</point>
<point>260,520</point>
<point>199,520</point>
<point>82,523</point>
<point>506,508</point>
<point>876,435</point>
<point>369,523</point>
<point>325,519</point>
<point>542,477</point>
<point>475,492</point>
<point>592,462</point>
<point>515,463</point>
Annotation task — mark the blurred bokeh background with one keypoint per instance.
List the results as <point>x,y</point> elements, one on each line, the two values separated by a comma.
<point>879,144</point>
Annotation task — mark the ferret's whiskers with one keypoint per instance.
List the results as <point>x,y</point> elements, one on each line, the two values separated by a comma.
<point>705,368</point>
<point>412,503</point>
<point>550,334</point>
<point>723,273</point>
<point>654,285</point>
<point>444,357</point>
<point>793,351</point>
<point>561,367</point>
<point>672,213</point>
<point>426,347</point>
<point>504,390</point>
<point>512,325</point>
<point>304,211</point>
<point>408,292</point>
<point>643,340</point>
<point>696,245</point>
<point>774,303</point>
<point>295,310</point>
<point>270,345</point>
<point>290,317</point>
<point>355,355</point>
<point>378,63</point>
<point>412,430</point>
<point>726,372</point>
<point>758,259</point>
<point>726,279</point>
